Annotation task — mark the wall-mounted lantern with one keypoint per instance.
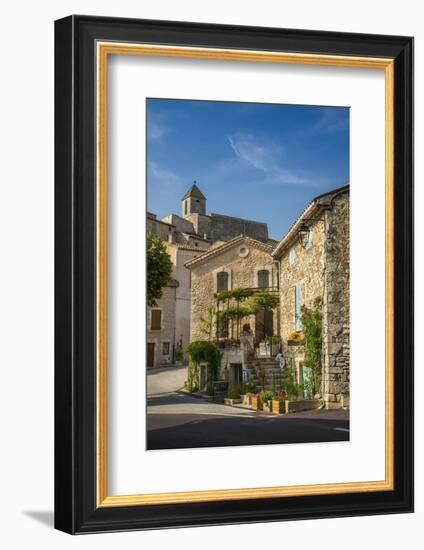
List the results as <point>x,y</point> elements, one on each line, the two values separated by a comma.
<point>303,232</point>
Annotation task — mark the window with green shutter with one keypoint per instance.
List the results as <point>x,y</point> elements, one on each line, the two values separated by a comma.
<point>222,281</point>
<point>308,245</point>
<point>298,303</point>
<point>263,278</point>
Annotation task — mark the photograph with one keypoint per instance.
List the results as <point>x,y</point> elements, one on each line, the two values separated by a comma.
<point>233,259</point>
<point>248,269</point>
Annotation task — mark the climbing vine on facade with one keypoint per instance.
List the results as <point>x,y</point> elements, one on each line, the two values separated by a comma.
<point>312,339</point>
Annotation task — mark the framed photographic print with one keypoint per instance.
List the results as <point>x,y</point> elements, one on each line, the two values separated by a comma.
<point>234,274</point>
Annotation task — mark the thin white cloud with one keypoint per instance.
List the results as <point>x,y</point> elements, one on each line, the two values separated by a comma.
<point>247,149</point>
<point>329,122</point>
<point>163,175</point>
<point>156,129</point>
<point>268,158</point>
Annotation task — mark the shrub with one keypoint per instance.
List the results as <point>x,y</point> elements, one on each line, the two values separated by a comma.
<point>192,382</point>
<point>279,396</point>
<point>289,384</point>
<point>246,387</point>
<point>234,392</point>
<point>266,395</point>
<point>202,350</point>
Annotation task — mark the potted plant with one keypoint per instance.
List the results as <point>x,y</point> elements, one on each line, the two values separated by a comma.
<point>255,402</point>
<point>266,398</point>
<point>278,402</point>
<point>295,338</point>
<point>246,390</point>
<point>233,396</point>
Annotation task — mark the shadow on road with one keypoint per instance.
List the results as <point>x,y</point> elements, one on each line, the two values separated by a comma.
<point>223,432</point>
<point>167,398</point>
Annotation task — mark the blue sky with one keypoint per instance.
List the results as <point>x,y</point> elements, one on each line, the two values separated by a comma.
<point>256,161</point>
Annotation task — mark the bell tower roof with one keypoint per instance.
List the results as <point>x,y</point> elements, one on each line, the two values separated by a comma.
<point>194,191</point>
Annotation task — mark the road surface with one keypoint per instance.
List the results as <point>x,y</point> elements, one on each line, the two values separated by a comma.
<point>176,420</point>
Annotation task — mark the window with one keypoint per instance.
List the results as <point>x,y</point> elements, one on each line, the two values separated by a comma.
<point>263,278</point>
<point>243,251</point>
<point>185,208</point>
<point>309,241</point>
<point>155,319</point>
<point>165,348</point>
<point>154,228</point>
<point>222,281</point>
<point>298,303</point>
<point>292,256</point>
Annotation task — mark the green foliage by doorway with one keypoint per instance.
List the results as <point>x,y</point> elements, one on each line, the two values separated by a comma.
<point>312,338</point>
<point>201,351</point>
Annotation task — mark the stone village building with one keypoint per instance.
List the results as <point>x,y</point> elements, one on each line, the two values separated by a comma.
<point>212,252</point>
<point>319,268</point>
<point>186,237</point>
<point>161,327</point>
<point>242,262</point>
<point>302,272</point>
<point>214,227</point>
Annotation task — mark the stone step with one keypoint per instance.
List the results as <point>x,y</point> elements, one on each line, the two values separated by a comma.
<point>270,372</point>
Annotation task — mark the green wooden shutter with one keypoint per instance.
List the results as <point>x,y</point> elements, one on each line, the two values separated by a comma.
<point>298,303</point>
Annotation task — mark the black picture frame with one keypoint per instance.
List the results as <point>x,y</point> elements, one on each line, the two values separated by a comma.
<point>76,510</point>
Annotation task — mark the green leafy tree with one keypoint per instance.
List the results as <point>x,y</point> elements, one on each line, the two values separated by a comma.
<point>235,313</point>
<point>159,268</point>
<point>264,300</point>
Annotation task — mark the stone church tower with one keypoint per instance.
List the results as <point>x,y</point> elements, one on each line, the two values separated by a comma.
<point>217,227</point>
<point>193,202</point>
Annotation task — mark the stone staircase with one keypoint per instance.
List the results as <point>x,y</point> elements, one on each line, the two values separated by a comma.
<point>265,371</point>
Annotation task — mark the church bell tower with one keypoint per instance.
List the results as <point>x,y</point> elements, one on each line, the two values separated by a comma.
<point>193,202</point>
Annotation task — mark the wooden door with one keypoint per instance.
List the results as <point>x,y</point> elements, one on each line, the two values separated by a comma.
<point>264,325</point>
<point>150,354</point>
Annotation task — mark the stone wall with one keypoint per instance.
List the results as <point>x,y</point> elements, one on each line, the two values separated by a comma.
<point>218,227</point>
<point>194,205</point>
<point>201,224</point>
<point>166,334</point>
<point>307,270</point>
<point>166,231</point>
<point>336,305</point>
<point>180,256</point>
<point>243,274</point>
<point>228,227</point>
<point>181,225</point>
<point>323,270</point>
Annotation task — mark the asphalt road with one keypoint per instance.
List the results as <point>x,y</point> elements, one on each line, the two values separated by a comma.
<point>176,420</point>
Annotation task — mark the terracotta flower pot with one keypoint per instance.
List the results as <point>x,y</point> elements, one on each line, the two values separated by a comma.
<point>278,406</point>
<point>266,407</point>
<point>256,402</point>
